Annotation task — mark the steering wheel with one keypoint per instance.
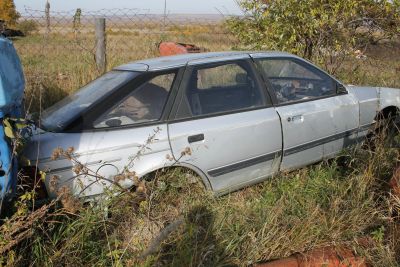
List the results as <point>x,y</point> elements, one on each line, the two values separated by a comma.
<point>288,91</point>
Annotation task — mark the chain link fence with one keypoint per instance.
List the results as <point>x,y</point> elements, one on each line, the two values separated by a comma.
<point>59,48</point>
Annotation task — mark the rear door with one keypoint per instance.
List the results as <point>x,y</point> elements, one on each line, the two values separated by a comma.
<point>125,131</point>
<point>225,125</point>
<point>317,121</point>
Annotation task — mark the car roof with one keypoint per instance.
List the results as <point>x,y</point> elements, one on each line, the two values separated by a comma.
<point>168,62</point>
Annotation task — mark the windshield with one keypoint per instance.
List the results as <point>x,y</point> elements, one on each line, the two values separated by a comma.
<point>57,117</point>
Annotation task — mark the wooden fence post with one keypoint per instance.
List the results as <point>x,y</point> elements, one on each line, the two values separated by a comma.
<point>101,57</point>
<point>47,14</point>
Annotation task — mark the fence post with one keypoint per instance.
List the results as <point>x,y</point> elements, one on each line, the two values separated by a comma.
<point>47,13</point>
<point>101,59</point>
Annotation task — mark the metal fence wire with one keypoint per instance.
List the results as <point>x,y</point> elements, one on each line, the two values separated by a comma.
<point>59,48</point>
<point>130,33</point>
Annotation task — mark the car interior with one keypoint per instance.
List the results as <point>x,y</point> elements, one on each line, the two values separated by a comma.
<point>295,89</point>
<point>144,104</point>
<point>295,81</point>
<point>222,96</point>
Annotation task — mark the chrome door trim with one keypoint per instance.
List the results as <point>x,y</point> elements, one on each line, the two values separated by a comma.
<point>244,164</point>
<point>302,147</point>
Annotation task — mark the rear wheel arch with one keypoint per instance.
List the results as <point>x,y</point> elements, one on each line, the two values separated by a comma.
<point>386,121</point>
<point>205,181</point>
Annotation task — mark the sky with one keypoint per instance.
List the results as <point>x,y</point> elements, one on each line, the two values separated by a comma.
<point>227,7</point>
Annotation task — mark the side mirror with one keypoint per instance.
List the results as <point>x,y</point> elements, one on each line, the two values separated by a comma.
<point>341,89</point>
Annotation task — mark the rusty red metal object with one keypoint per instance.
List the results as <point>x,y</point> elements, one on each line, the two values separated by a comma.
<point>172,48</point>
<point>328,257</point>
<point>287,262</point>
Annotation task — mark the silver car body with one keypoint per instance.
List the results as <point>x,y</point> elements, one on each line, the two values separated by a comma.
<point>236,149</point>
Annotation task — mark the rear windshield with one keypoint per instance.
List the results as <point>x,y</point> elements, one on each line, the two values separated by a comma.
<point>57,117</point>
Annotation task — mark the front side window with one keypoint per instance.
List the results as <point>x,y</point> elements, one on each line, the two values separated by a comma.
<point>144,103</point>
<point>223,88</point>
<point>293,80</point>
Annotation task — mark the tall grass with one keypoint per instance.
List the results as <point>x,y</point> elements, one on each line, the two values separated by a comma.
<point>337,202</point>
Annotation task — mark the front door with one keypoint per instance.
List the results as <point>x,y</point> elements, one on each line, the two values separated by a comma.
<point>317,121</point>
<point>225,126</point>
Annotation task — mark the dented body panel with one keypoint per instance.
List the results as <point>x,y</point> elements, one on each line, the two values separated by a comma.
<point>105,153</point>
<point>228,150</point>
<point>317,129</point>
<point>368,101</point>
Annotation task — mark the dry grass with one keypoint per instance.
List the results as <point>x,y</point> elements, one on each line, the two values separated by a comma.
<point>380,68</point>
<point>339,202</point>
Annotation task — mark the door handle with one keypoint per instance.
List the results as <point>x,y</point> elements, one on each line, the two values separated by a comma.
<point>296,118</point>
<point>196,138</point>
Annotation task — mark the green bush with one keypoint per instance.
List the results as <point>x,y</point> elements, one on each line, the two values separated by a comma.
<point>324,31</point>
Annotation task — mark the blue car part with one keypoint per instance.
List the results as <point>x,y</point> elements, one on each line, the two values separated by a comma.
<point>12,86</point>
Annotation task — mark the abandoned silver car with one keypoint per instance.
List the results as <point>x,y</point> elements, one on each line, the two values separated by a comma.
<point>234,118</point>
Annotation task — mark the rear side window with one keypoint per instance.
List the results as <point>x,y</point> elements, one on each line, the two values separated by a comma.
<point>144,103</point>
<point>293,80</point>
<point>221,76</point>
<point>63,113</point>
<point>223,88</point>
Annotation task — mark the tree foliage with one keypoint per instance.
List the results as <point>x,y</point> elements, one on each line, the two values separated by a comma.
<point>314,28</point>
<point>8,12</point>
